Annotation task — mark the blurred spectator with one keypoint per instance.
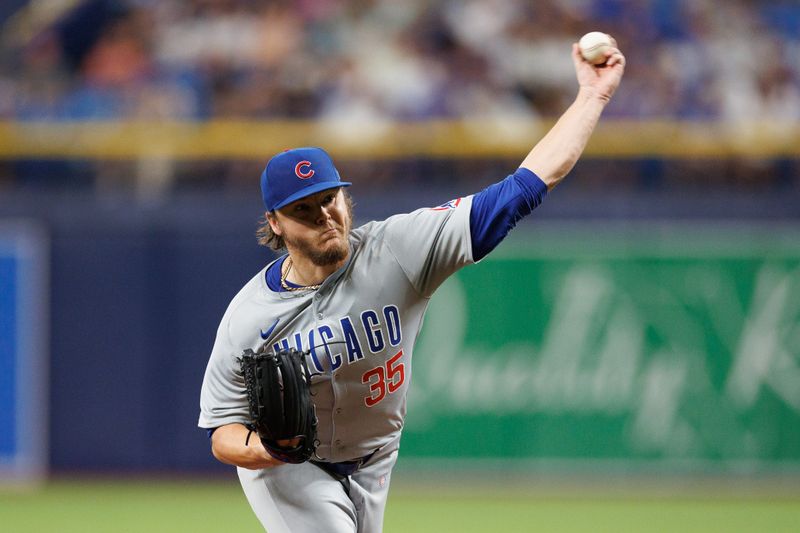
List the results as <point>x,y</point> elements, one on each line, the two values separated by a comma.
<point>409,60</point>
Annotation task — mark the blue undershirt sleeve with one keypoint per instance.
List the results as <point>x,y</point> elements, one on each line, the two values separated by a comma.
<point>498,208</point>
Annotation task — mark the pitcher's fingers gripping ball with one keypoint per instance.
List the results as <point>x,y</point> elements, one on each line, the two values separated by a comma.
<point>279,397</point>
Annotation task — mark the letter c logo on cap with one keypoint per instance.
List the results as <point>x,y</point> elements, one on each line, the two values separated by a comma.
<point>303,174</point>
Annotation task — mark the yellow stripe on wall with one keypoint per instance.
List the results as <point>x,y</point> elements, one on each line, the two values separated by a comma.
<point>477,138</point>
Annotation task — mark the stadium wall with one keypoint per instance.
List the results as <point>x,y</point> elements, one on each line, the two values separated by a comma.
<point>137,292</point>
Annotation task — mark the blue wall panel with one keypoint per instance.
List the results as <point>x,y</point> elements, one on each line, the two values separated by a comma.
<point>135,309</point>
<point>8,352</point>
<point>23,351</point>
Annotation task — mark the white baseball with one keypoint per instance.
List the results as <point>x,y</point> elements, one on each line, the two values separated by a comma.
<point>594,45</point>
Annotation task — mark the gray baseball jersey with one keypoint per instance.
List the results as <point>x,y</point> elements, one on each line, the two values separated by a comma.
<point>359,328</point>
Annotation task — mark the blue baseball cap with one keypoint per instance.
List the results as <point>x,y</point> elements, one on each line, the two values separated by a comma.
<point>298,173</point>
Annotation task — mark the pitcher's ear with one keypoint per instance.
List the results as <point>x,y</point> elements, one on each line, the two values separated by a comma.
<point>272,220</point>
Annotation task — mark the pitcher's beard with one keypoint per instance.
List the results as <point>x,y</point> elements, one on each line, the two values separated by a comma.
<point>331,255</point>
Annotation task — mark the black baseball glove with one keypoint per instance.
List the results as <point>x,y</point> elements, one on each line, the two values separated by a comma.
<point>281,409</point>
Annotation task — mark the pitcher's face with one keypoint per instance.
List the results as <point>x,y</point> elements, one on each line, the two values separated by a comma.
<point>316,226</point>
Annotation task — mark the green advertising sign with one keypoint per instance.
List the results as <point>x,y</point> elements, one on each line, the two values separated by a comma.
<point>661,345</point>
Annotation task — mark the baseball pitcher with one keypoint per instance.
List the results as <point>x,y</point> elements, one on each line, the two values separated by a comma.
<point>305,389</point>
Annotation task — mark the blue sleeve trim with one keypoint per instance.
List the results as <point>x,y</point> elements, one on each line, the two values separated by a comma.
<point>498,208</point>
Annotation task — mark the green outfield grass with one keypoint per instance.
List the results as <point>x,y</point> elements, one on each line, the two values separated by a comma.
<point>200,506</point>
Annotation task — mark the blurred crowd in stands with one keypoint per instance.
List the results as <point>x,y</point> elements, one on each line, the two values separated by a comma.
<point>409,59</point>
<point>377,60</point>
